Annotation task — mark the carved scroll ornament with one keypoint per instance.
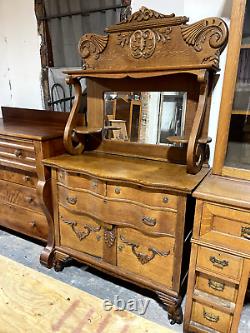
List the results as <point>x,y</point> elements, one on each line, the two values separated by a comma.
<point>92,45</point>
<point>155,39</point>
<point>213,30</point>
<point>142,257</point>
<point>81,235</point>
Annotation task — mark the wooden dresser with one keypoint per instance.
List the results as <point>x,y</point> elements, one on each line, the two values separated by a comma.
<point>122,195</point>
<point>26,137</point>
<point>220,259</point>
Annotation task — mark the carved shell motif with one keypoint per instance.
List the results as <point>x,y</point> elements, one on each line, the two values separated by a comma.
<point>212,29</point>
<point>145,14</point>
<point>91,44</point>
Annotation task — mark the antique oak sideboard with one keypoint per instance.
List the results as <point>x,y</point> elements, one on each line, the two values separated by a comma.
<point>122,195</point>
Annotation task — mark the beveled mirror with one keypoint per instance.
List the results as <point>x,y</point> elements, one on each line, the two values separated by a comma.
<point>144,117</point>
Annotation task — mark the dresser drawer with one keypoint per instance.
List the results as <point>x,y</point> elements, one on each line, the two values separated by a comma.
<point>119,212</point>
<point>19,195</point>
<point>142,195</point>
<point>219,262</point>
<point>17,153</point>
<point>81,182</point>
<point>152,258</point>
<point>18,177</point>
<point>24,221</point>
<point>217,287</point>
<point>226,226</point>
<point>80,232</point>
<point>214,319</point>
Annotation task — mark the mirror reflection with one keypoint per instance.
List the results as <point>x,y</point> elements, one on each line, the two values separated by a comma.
<point>144,117</point>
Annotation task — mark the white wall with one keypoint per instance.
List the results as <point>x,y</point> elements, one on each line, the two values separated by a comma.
<point>20,65</point>
<point>197,10</point>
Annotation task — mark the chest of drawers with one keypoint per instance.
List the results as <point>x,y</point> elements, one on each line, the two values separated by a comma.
<point>26,137</point>
<point>220,260</point>
<point>126,216</point>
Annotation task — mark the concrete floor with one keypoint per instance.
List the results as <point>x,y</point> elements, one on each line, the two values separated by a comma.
<point>94,282</point>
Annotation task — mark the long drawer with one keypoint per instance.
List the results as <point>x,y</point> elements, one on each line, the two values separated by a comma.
<point>18,176</point>
<point>22,196</point>
<point>225,226</point>
<point>149,220</point>
<point>149,257</point>
<point>18,153</point>
<point>23,220</point>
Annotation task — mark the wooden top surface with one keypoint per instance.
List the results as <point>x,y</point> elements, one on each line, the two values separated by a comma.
<point>224,190</point>
<point>32,124</point>
<point>30,129</point>
<point>33,302</point>
<point>135,170</point>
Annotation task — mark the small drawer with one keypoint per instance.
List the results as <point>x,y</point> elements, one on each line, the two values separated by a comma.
<point>80,233</point>
<point>18,177</point>
<point>142,195</point>
<point>17,153</point>
<point>217,287</point>
<point>226,226</point>
<point>19,195</point>
<point>78,181</point>
<point>219,262</point>
<point>212,318</point>
<point>152,258</point>
<point>25,221</point>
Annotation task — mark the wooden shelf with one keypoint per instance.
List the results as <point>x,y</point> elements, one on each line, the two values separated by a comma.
<point>184,139</point>
<point>87,130</point>
<point>241,112</point>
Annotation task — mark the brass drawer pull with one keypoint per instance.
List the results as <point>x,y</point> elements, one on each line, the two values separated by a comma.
<point>245,232</point>
<point>82,234</point>
<point>218,263</point>
<point>216,285</point>
<point>165,199</point>
<point>144,258</point>
<point>210,317</point>
<point>71,200</point>
<point>117,190</point>
<point>29,199</point>
<point>150,221</point>
<point>33,224</point>
<point>18,152</point>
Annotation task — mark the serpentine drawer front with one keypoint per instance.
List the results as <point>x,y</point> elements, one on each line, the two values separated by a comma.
<point>114,211</point>
<point>142,195</point>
